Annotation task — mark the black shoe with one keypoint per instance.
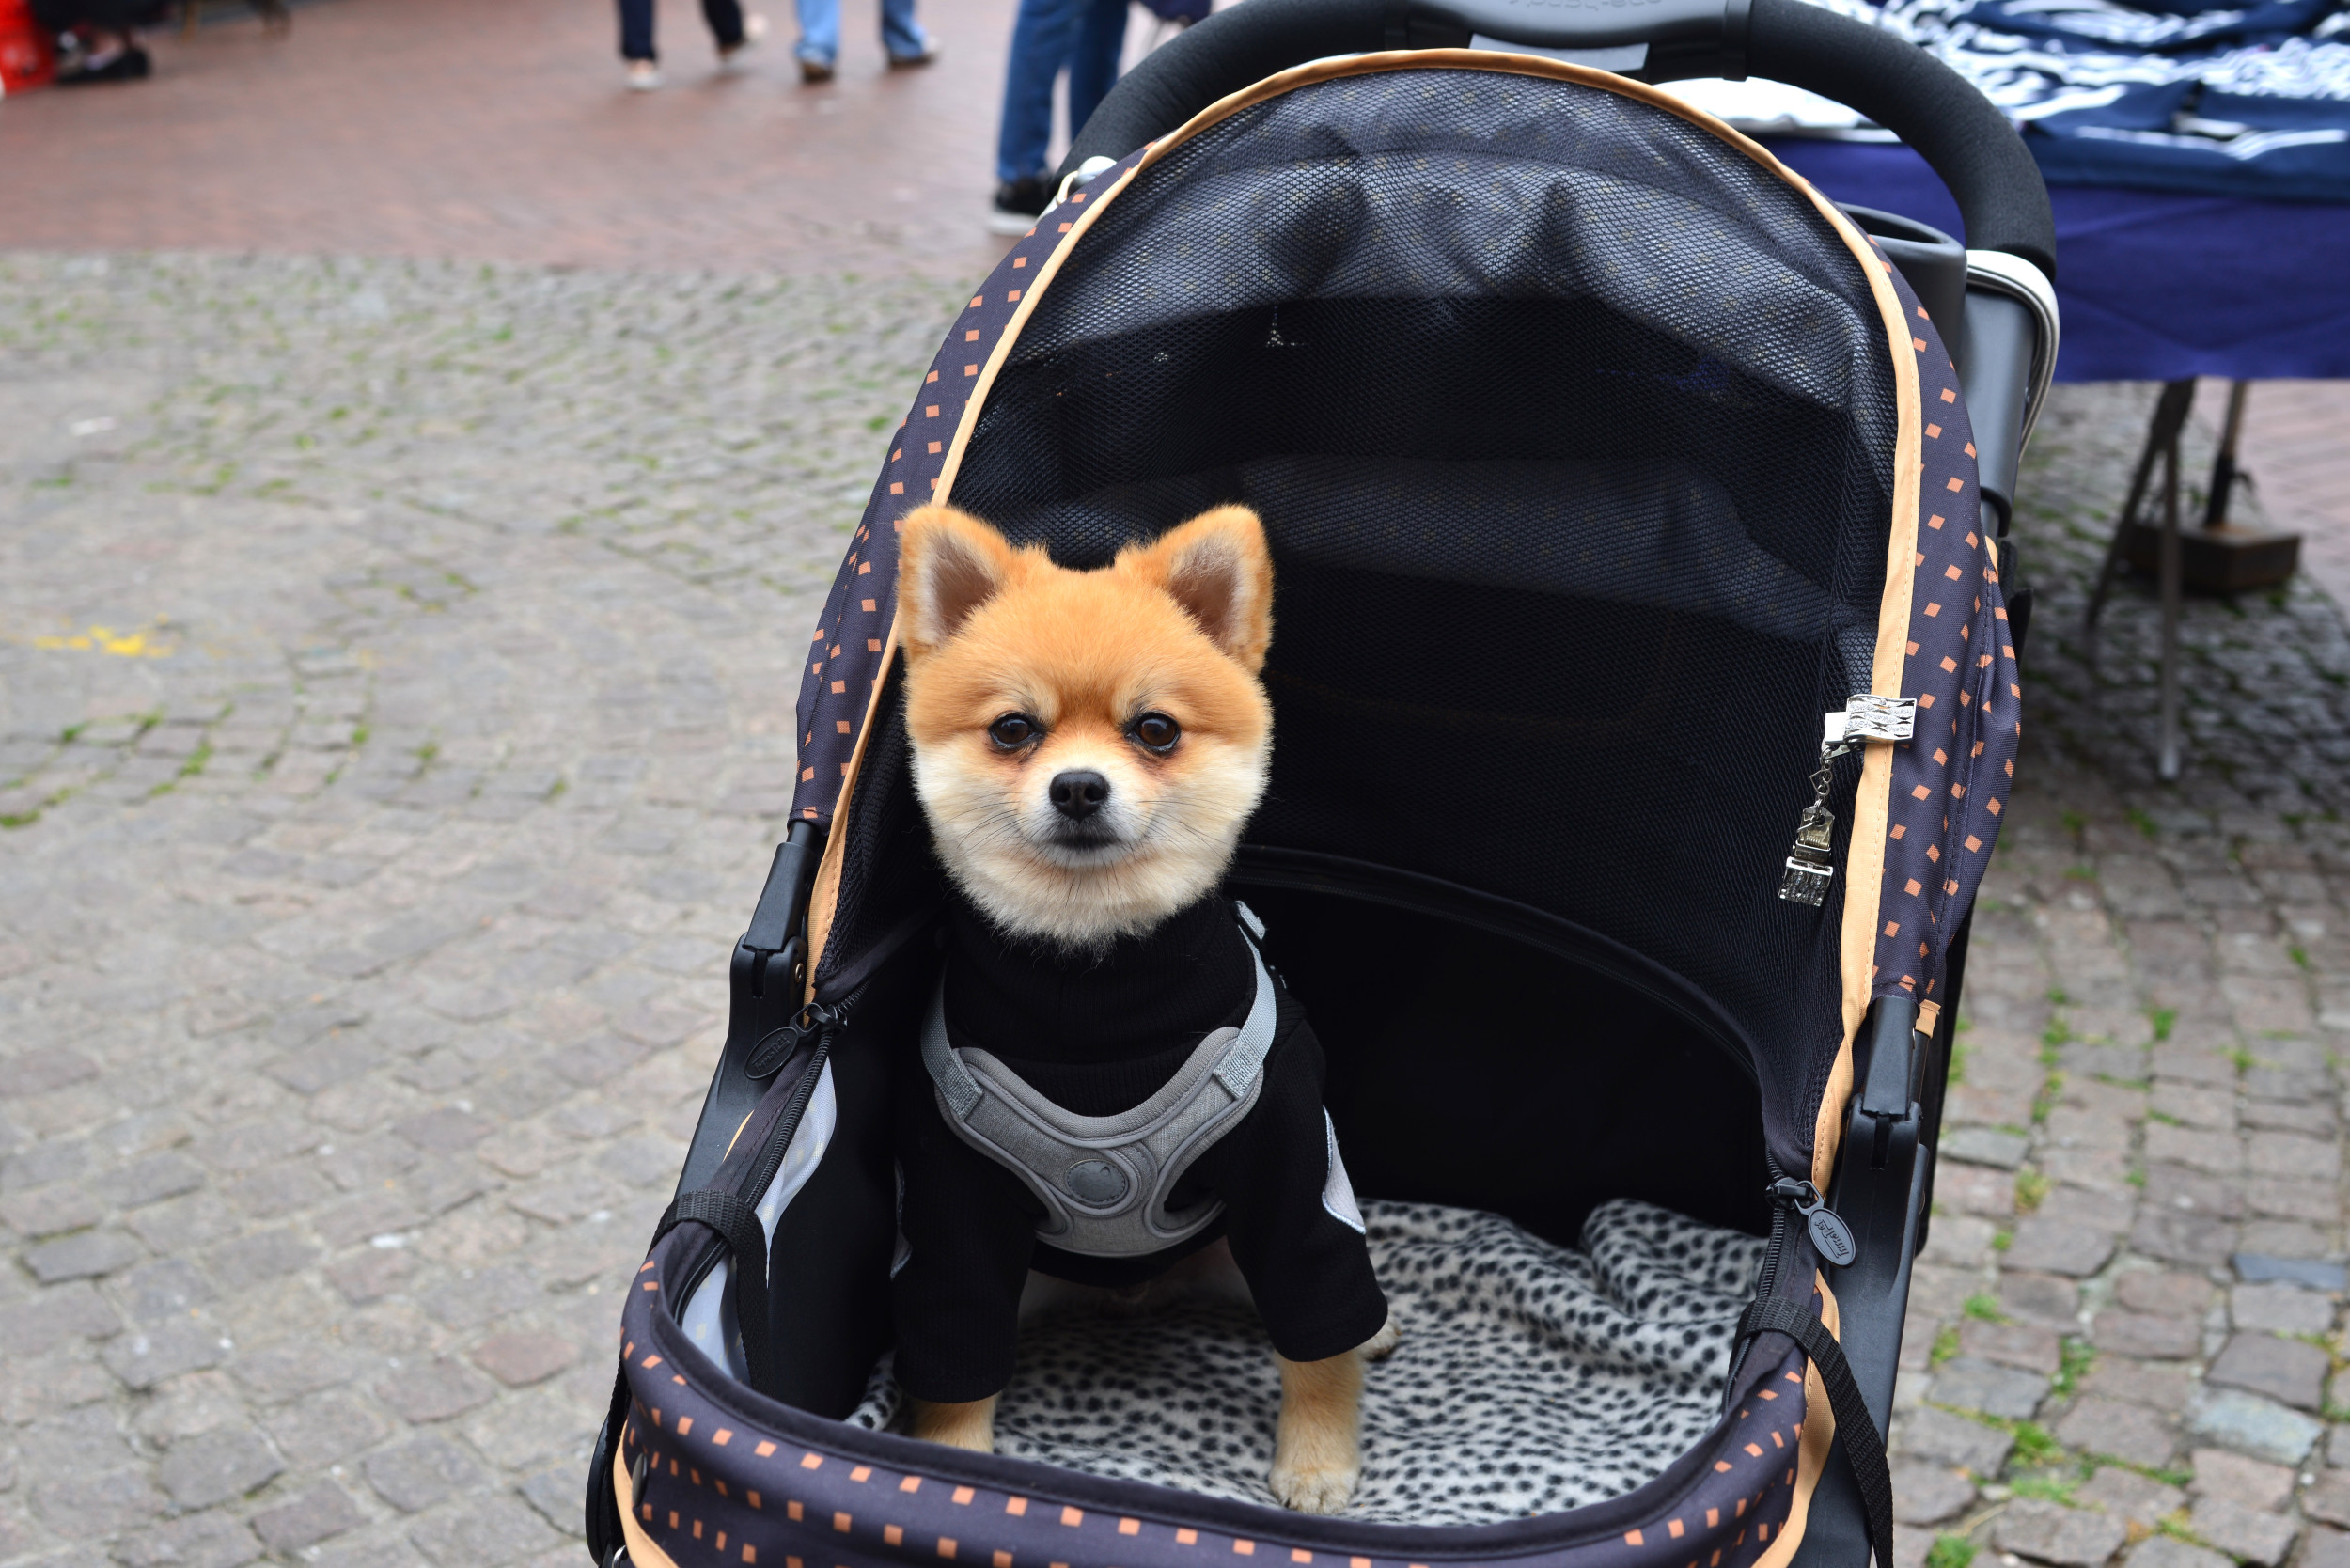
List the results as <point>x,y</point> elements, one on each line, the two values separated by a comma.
<point>1018,204</point>
<point>131,64</point>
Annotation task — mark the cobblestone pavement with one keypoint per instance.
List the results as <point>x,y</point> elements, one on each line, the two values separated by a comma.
<point>396,668</point>
<point>2126,1328</point>
<point>502,132</point>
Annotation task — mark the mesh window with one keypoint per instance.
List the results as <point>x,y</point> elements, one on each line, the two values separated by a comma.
<point>1572,431</point>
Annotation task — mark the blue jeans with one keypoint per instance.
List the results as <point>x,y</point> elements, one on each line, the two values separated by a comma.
<point>723,16</point>
<point>1084,35</point>
<point>820,30</point>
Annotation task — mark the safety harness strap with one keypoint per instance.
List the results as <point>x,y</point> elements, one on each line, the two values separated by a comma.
<point>1864,1445</point>
<point>737,1223</point>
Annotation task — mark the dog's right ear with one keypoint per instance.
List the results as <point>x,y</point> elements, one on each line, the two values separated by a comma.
<point>949,563</point>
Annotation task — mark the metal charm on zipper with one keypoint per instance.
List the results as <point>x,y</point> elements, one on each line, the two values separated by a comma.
<point>1830,1236</point>
<point>1810,863</point>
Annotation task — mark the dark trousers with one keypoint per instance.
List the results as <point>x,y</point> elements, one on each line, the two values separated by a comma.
<point>723,16</point>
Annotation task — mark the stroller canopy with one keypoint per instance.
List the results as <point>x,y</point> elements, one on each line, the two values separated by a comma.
<point>1600,457</point>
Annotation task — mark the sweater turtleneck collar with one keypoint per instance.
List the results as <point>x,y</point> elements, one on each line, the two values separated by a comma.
<point>1145,996</point>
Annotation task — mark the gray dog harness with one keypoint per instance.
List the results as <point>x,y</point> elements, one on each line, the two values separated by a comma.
<point>1104,1180</point>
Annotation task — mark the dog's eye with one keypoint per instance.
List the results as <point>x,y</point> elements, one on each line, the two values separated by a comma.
<point>1014,730</point>
<point>1156,731</point>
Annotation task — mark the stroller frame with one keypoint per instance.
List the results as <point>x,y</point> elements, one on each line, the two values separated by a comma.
<point>1879,1117</point>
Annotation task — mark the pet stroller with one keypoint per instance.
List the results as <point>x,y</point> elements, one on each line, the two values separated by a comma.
<point>1600,457</point>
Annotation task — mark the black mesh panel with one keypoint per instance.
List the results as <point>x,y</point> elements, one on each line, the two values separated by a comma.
<point>1572,431</point>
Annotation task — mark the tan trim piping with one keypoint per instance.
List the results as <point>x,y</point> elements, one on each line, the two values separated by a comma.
<point>642,1552</point>
<point>1864,868</point>
<point>1819,1431</point>
<point>825,895</point>
<point>1865,863</point>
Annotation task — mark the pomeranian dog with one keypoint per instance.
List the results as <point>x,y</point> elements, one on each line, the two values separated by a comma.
<point>1111,1087</point>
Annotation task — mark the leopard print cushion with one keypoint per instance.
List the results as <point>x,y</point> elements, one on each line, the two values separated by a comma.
<point>1531,1378</point>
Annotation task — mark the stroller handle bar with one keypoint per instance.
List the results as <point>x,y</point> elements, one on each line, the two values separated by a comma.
<point>1899,86</point>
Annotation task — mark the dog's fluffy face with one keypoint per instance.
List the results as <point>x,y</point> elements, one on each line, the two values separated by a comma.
<point>1087,745</point>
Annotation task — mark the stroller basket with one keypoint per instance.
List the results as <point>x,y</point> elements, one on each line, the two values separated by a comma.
<point>1600,457</point>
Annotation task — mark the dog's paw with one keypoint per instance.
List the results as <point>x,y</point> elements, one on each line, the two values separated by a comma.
<point>966,1425</point>
<point>1382,1344</point>
<point>1312,1490</point>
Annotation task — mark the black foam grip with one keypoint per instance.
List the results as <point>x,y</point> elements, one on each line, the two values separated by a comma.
<point>1863,1443</point>
<point>1901,86</point>
<point>1927,105</point>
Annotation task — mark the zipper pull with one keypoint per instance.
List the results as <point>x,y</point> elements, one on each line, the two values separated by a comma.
<point>1830,1236</point>
<point>770,1054</point>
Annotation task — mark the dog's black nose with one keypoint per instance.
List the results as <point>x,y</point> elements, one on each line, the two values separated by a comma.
<point>1078,795</point>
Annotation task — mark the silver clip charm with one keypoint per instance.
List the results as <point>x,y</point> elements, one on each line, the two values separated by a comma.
<point>1866,716</point>
<point>1870,717</point>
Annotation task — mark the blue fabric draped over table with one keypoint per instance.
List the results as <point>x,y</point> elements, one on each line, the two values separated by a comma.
<point>2154,285</point>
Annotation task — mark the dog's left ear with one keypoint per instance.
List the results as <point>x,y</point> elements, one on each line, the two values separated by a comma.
<point>1219,570</point>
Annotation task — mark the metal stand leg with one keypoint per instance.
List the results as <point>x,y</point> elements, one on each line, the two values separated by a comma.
<point>2167,758</point>
<point>2223,469</point>
<point>2162,437</point>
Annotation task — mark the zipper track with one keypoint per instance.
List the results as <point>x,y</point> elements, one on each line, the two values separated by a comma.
<point>777,1142</point>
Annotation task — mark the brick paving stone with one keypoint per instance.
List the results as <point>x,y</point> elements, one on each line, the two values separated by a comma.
<point>2250,1481</point>
<point>1941,1439</point>
<point>418,1473</point>
<point>1927,1494</point>
<point>2138,1501</point>
<point>2152,1384</point>
<point>2328,1501</point>
<point>2281,1308</point>
<point>1969,1383</point>
<point>2052,1533</point>
<point>1985,1146</point>
<point>2145,1335</point>
<point>2325,1548</point>
<point>220,1467</point>
<point>2041,1299</point>
<point>199,1541</point>
<point>2027,1346</point>
<point>2134,1434</point>
<point>323,1512</point>
<point>2163,1551</point>
<point>2253,1425</point>
<point>2248,1534</point>
<point>433,1390</point>
<point>2289,1370</point>
<point>2058,1246</point>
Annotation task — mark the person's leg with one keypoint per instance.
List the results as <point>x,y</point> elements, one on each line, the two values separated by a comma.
<point>820,32</point>
<point>637,30</point>
<point>1040,42</point>
<point>902,36</point>
<point>726,22</point>
<point>1094,62</point>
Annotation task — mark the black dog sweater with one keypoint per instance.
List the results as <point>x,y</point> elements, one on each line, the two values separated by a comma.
<point>1098,1036</point>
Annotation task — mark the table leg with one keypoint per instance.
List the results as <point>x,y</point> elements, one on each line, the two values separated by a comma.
<point>2223,472</point>
<point>2162,437</point>
<point>2167,758</point>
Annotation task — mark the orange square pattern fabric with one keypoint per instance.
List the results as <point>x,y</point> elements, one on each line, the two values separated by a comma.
<point>1952,779</point>
<point>837,690</point>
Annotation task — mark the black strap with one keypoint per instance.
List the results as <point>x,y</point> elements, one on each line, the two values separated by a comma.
<point>1864,1445</point>
<point>738,1223</point>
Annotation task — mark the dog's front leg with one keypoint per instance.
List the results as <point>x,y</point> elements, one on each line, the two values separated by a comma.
<point>1317,1447</point>
<point>962,1424</point>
